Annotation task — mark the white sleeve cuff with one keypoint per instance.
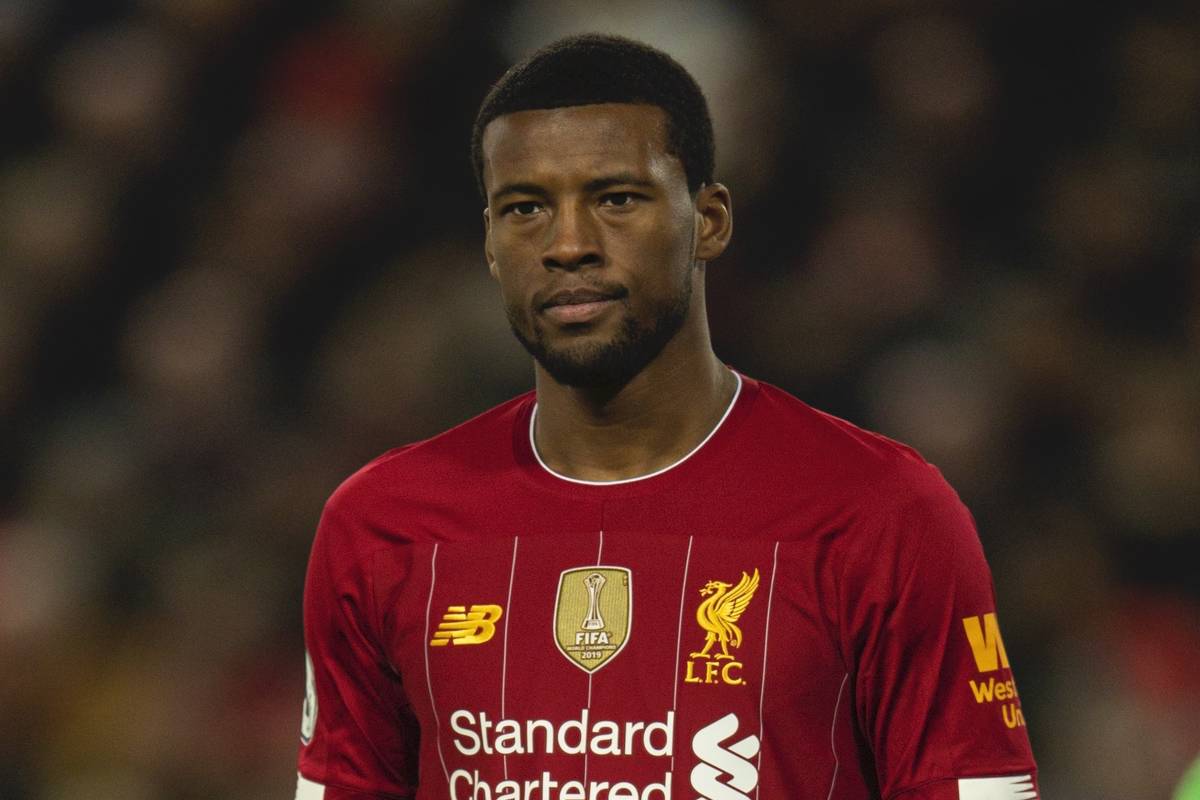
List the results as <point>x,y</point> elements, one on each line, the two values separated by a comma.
<point>1015,787</point>
<point>307,790</point>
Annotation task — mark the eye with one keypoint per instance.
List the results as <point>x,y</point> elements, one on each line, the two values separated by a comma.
<point>618,199</point>
<point>523,208</point>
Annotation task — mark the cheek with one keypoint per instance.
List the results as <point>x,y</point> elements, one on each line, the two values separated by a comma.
<point>510,290</point>
<point>510,258</point>
<point>502,266</point>
<point>514,292</point>
<point>676,232</point>
<point>664,252</point>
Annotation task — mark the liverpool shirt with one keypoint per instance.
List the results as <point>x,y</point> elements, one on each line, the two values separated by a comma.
<point>797,609</point>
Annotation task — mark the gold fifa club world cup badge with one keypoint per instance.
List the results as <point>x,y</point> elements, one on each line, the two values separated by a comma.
<point>718,613</point>
<point>592,614</point>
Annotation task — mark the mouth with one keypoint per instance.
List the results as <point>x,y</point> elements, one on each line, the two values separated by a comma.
<point>576,306</point>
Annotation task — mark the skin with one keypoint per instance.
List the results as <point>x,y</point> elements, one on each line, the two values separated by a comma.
<point>588,198</point>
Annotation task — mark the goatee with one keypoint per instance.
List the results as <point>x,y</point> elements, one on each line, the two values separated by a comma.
<point>614,363</point>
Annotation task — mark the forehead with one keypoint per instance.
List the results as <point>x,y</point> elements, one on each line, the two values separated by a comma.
<point>578,141</point>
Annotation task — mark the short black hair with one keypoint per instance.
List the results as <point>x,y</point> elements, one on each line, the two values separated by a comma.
<point>597,68</point>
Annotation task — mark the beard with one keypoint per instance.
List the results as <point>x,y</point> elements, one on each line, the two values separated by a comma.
<point>614,363</point>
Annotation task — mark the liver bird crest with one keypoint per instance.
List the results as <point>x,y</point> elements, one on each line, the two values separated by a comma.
<point>720,611</point>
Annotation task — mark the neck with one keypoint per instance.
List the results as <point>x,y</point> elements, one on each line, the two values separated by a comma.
<point>651,422</point>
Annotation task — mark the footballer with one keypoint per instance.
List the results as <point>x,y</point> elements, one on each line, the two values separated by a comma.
<point>652,577</point>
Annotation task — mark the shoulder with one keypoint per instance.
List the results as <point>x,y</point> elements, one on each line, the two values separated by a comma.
<point>480,444</point>
<point>375,501</point>
<point>886,502</point>
<point>840,458</point>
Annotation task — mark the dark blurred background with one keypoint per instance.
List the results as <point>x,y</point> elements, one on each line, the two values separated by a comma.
<point>240,254</point>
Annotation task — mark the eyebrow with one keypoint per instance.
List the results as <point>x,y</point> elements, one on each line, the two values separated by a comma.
<point>518,188</point>
<point>620,179</point>
<point>592,186</point>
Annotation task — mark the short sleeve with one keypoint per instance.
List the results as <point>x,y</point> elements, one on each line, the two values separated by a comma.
<point>934,691</point>
<point>359,739</point>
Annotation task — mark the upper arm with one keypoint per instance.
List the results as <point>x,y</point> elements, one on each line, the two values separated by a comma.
<point>934,690</point>
<point>359,737</point>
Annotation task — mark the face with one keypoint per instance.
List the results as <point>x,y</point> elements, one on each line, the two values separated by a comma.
<point>594,238</point>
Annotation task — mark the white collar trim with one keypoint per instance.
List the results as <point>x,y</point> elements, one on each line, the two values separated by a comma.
<point>533,446</point>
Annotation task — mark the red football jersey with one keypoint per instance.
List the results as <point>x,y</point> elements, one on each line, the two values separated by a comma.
<point>797,609</point>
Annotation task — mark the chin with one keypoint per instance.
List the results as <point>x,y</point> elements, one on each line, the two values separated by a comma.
<point>606,364</point>
<point>589,365</point>
<point>605,360</point>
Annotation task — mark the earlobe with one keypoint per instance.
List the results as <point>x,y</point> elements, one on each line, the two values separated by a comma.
<point>715,208</point>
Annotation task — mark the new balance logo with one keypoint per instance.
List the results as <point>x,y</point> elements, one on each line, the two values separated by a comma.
<point>461,626</point>
<point>718,761</point>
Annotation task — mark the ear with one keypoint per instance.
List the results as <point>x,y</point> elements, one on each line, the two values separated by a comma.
<point>487,241</point>
<point>714,220</point>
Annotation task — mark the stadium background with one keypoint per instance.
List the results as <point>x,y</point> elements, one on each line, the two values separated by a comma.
<point>240,255</point>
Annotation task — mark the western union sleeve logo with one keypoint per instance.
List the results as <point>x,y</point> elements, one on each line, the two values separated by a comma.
<point>461,626</point>
<point>986,644</point>
<point>987,648</point>
<point>723,605</point>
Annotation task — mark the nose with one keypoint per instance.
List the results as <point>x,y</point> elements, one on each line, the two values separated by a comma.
<point>574,241</point>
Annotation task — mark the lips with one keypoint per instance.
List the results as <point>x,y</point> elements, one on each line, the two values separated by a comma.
<point>580,306</point>
<point>574,297</point>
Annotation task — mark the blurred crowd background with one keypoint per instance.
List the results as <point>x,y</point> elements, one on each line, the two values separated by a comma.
<point>240,254</point>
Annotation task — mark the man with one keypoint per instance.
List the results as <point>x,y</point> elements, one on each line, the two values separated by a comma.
<point>652,577</point>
